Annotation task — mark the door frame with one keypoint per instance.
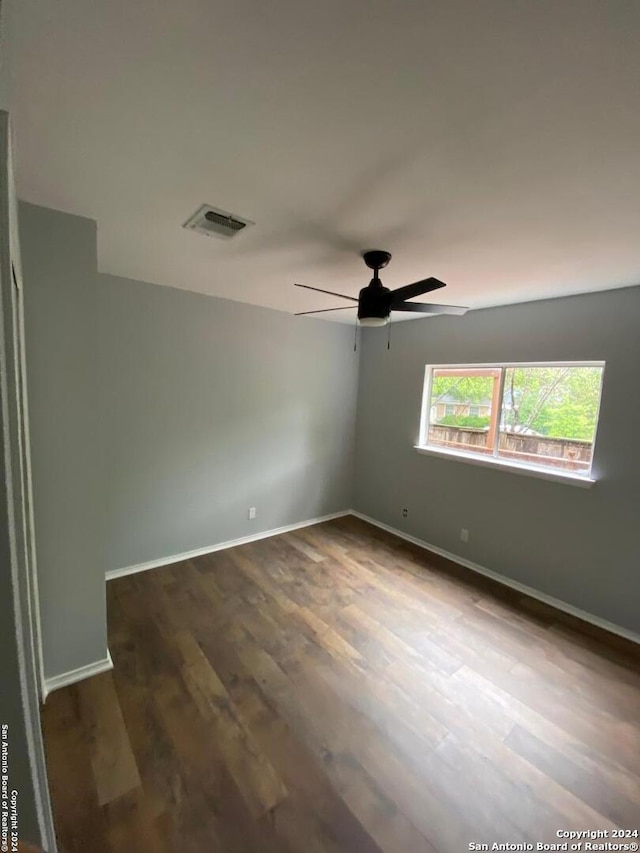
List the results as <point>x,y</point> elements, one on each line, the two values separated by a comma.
<point>16,461</point>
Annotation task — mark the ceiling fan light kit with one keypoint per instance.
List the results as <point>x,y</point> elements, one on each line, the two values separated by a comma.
<point>376,302</point>
<point>373,322</point>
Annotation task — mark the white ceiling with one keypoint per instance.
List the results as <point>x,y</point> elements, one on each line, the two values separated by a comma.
<point>494,144</point>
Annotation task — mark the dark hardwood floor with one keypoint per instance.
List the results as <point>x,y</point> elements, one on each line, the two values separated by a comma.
<point>337,689</point>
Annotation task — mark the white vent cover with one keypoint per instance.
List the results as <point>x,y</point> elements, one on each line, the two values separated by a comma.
<point>216,223</point>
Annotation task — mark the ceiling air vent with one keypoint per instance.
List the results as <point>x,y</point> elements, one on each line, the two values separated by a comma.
<point>216,223</point>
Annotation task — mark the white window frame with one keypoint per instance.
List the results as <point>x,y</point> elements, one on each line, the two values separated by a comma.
<point>585,480</point>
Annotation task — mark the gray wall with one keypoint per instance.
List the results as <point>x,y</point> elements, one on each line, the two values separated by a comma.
<point>212,406</point>
<point>60,287</point>
<point>579,545</point>
<point>158,417</point>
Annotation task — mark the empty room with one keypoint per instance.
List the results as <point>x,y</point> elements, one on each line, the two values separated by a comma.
<point>320,420</point>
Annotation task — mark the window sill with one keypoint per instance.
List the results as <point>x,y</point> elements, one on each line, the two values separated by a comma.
<point>513,467</point>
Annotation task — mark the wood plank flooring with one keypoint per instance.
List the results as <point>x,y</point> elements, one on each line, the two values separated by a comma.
<point>337,689</point>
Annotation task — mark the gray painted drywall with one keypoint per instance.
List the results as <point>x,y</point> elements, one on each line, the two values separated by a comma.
<point>578,545</point>
<point>158,416</point>
<point>212,406</point>
<point>60,287</point>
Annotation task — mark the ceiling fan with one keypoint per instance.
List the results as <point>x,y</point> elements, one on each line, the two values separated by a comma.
<point>376,302</point>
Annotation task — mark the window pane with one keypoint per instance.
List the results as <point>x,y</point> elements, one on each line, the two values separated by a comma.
<point>549,416</point>
<point>461,409</point>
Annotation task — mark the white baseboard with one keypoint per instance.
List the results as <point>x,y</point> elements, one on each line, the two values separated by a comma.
<point>75,675</point>
<point>221,546</point>
<point>505,581</point>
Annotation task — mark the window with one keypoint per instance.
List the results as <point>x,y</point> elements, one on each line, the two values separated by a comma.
<point>540,417</point>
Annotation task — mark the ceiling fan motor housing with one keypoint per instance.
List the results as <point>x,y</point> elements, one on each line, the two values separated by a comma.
<point>374,301</point>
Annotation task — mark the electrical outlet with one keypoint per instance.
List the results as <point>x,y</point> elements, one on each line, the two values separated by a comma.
<point>464,534</point>
<point>405,512</point>
<point>252,513</point>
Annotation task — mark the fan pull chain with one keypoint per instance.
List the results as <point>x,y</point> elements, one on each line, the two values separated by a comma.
<point>389,333</point>
<point>355,337</point>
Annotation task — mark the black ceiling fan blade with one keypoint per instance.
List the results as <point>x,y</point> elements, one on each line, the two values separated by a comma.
<point>330,292</point>
<point>322,310</point>
<point>418,288</point>
<point>426,308</point>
